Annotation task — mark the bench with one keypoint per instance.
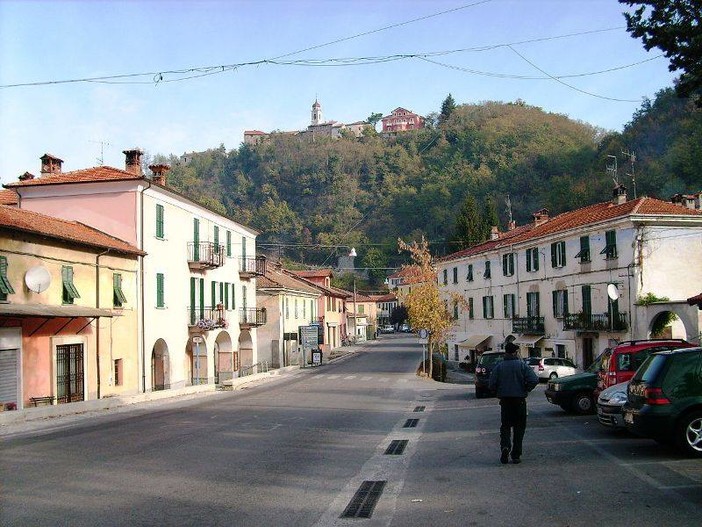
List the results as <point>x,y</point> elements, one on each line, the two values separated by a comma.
<point>46,400</point>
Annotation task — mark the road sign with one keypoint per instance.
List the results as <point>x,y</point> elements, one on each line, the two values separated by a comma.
<point>423,333</point>
<point>309,337</point>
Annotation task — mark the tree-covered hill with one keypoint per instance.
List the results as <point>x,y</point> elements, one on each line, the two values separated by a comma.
<point>305,195</point>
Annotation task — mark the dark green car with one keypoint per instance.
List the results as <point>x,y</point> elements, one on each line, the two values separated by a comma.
<point>664,400</point>
<point>575,393</point>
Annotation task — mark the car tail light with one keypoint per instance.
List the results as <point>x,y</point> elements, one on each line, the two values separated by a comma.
<point>541,367</point>
<point>655,397</point>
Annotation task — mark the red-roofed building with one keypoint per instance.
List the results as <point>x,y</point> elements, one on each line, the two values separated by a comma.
<point>68,311</point>
<point>569,285</point>
<point>401,120</point>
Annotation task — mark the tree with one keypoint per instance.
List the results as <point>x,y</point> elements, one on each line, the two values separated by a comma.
<point>374,118</point>
<point>674,27</point>
<point>468,228</point>
<point>489,217</point>
<point>447,108</point>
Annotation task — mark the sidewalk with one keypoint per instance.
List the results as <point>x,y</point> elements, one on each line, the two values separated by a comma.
<point>10,421</point>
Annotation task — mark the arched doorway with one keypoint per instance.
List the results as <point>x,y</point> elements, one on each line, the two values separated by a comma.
<point>160,370</point>
<point>245,349</point>
<point>196,361</point>
<point>224,357</point>
<point>672,320</point>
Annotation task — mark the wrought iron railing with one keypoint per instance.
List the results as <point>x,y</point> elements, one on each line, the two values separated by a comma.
<point>598,322</point>
<point>207,318</point>
<point>205,254</point>
<point>528,325</point>
<point>252,316</point>
<point>255,266</point>
<point>259,367</point>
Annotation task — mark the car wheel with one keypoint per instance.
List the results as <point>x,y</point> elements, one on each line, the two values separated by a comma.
<point>583,403</point>
<point>689,434</point>
<point>553,375</point>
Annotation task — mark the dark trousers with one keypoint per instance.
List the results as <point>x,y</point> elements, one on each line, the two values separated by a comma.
<point>514,417</point>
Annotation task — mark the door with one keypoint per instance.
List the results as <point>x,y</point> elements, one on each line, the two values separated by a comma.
<point>9,377</point>
<point>69,373</point>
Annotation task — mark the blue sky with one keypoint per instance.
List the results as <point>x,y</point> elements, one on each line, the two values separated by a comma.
<point>62,40</point>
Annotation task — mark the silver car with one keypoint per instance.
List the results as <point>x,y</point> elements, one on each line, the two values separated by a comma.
<point>610,403</point>
<point>549,368</point>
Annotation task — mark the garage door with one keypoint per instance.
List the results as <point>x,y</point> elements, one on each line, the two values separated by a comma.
<point>9,382</point>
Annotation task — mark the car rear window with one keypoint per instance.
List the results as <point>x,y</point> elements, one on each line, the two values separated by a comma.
<point>533,361</point>
<point>649,370</point>
<point>489,359</point>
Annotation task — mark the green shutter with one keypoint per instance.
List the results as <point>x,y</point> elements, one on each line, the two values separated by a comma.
<point>213,288</point>
<point>216,239</point>
<point>196,240</point>
<point>470,308</point>
<point>159,222</point>
<point>5,286</point>
<point>554,259</point>
<point>160,290</point>
<point>554,295</point>
<point>118,295</point>
<point>202,298</point>
<point>565,302</point>
<point>587,299</point>
<point>226,296</point>
<point>229,243</point>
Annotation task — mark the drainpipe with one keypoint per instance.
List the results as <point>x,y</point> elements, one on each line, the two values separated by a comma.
<point>97,306</point>
<point>142,320</point>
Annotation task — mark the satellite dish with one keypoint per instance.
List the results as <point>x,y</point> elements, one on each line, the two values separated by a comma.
<point>37,279</point>
<point>612,291</point>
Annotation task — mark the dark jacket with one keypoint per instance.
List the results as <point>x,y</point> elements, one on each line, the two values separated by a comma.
<point>512,378</point>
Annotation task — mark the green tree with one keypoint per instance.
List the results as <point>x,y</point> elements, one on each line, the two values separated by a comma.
<point>447,108</point>
<point>469,227</point>
<point>674,27</point>
<point>373,118</point>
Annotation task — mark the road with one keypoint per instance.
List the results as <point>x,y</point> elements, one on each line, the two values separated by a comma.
<point>294,451</point>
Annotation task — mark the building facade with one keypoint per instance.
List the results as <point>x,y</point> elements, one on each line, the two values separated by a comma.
<point>402,120</point>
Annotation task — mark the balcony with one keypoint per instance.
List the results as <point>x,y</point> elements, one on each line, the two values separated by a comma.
<point>528,325</point>
<point>205,255</point>
<point>202,319</point>
<point>600,322</point>
<point>252,267</point>
<point>251,317</point>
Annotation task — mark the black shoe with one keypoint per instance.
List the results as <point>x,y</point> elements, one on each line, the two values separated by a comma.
<point>504,458</point>
<point>516,460</point>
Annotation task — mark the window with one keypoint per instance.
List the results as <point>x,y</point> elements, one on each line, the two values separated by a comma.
<point>584,253</point>
<point>560,303</point>
<point>118,298</point>
<point>561,352</point>
<point>229,243</point>
<point>69,290</point>
<point>445,276</point>
<point>455,275</point>
<point>297,314</point>
<point>471,313</point>
<point>287,308</point>
<point>558,254</point>
<point>533,305</point>
<point>160,295</point>
<point>508,264</point>
<point>455,310</point>
<point>587,299</point>
<point>532,259</point>
<point>216,239</point>
<point>304,310</point>
<point>119,372</point>
<point>361,309</point>
<point>610,249</point>
<point>5,286</point>
<point>486,274</point>
<point>470,272</point>
<point>509,306</point>
<point>488,307</point>
<point>160,231</point>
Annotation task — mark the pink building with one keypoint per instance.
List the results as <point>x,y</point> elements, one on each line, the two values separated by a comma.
<point>401,120</point>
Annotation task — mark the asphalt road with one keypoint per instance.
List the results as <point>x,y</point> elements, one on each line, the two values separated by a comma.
<point>293,451</point>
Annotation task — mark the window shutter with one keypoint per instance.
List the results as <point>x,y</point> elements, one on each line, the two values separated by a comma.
<point>535,252</point>
<point>159,221</point>
<point>528,260</point>
<point>233,296</point>
<point>554,259</point>
<point>229,243</point>
<point>196,240</point>
<point>587,303</point>
<point>216,239</point>
<point>554,294</point>
<point>214,293</point>
<point>5,286</point>
<point>226,295</point>
<point>192,294</point>
<point>160,297</point>
<point>565,302</point>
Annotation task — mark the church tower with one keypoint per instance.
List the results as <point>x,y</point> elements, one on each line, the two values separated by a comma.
<point>316,113</point>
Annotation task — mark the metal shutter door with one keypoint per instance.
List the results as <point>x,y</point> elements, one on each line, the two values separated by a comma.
<point>8,375</point>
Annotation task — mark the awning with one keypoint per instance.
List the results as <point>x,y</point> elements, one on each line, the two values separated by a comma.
<point>473,341</point>
<point>527,340</point>
<point>38,310</point>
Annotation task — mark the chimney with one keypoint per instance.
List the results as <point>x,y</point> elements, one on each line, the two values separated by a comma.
<point>159,172</point>
<point>50,165</point>
<point>511,225</point>
<point>26,176</point>
<point>133,161</point>
<point>494,232</point>
<point>619,195</point>
<point>540,217</point>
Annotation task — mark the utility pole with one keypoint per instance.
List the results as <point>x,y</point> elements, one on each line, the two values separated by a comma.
<point>632,158</point>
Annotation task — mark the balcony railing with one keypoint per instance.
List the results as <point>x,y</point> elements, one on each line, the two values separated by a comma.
<point>207,318</point>
<point>250,317</point>
<point>599,322</point>
<point>528,325</point>
<point>250,267</point>
<point>205,255</point>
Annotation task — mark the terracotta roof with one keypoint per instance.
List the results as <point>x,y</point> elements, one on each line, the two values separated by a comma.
<point>579,218</point>
<point>390,297</point>
<point>8,197</point>
<point>12,218</point>
<point>254,132</point>
<point>103,173</point>
<point>314,273</point>
<point>282,279</point>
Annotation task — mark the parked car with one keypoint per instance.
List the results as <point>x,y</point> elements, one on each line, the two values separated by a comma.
<point>609,405</point>
<point>551,367</point>
<point>404,328</point>
<point>620,363</point>
<point>388,328</point>
<point>575,393</point>
<point>664,399</point>
<point>486,362</point>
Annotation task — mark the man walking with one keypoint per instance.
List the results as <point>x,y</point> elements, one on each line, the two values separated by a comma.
<point>512,379</point>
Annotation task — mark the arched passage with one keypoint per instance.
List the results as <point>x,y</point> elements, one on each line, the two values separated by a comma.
<point>160,367</point>
<point>686,326</point>
<point>195,366</point>
<point>245,349</point>
<point>224,357</point>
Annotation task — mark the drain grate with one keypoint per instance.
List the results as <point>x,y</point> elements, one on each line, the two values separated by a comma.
<point>363,502</point>
<point>396,447</point>
<point>411,423</point>
<point>419,408</point>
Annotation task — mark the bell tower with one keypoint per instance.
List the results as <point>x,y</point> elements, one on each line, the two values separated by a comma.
<point>316,113</point>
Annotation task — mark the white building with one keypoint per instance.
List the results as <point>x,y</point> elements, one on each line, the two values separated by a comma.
<point>197,282</point>
<point>572,285</point>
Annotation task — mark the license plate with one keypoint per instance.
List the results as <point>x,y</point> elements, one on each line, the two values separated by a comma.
<point>629,418</point>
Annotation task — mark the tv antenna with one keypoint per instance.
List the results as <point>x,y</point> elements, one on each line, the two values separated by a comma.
<point>508,203</point>
<point>632,159</point>
<point>102,144</point>
<point>612,168</point>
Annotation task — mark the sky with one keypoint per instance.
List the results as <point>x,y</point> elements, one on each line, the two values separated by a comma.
<point>171,77</point>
